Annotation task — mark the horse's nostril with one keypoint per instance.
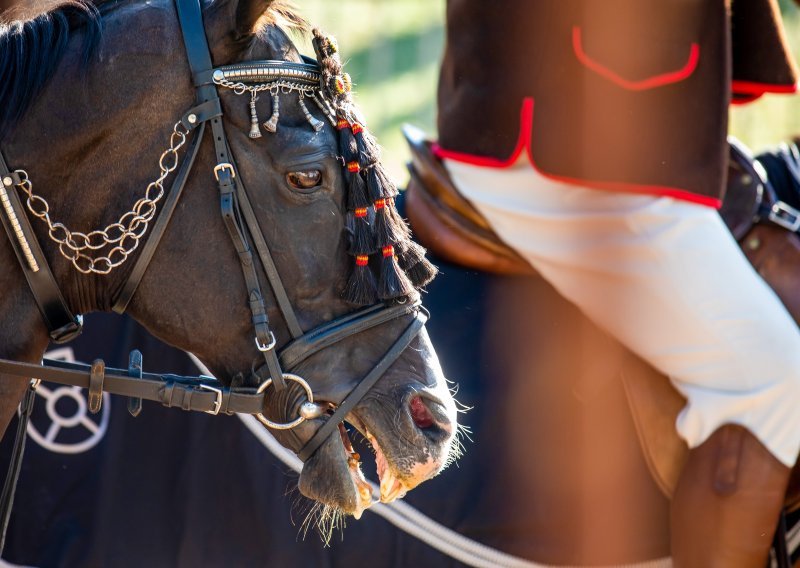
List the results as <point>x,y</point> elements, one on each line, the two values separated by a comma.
<point>420,414</point>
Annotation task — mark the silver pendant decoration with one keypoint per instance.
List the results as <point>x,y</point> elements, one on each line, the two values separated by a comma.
<point>277,78</point>
<point>272,124</point>
<point>315,123</point>
<point>255,132</point>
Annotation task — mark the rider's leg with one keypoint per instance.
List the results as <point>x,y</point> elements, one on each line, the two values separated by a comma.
<point>666,278</point>
<point>726,505</point>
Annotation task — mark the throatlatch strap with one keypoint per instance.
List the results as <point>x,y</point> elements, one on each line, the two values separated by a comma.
<point>62,324</point>
<point>363,387</point>
<point>160,225</point>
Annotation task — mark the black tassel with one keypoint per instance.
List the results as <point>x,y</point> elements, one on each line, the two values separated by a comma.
<point>397,225</point>
<point>409,253</point>
<point>361,288</point>
<point>368,151</point>
<point>386,229</point>
<point>362,238</point>
<point>347,143</point>
<point>393,282</point>
<point>411,259</point>
<point>422,273</point>
<point>356,188</point>
<point>378,183</point>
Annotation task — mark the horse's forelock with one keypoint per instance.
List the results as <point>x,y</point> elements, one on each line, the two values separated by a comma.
<point>30,50</point>
<point>285,15</point>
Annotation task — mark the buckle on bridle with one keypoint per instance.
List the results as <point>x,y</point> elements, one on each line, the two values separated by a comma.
<point>224,166</point>
<point>217,402</point>
<point>264,348</point>
<point>785,216</point>
<point>69,331</point>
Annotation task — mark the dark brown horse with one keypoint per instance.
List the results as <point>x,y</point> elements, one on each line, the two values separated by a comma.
<point>87,104</point>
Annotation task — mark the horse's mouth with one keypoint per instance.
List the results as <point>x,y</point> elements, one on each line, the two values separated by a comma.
<point>408,450</point>
<point>391,487</point>
<point>362,486</point>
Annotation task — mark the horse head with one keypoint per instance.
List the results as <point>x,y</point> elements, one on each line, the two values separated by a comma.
<point>90,109</point>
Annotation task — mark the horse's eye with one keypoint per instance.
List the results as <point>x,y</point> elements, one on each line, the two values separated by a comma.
<point>304,180</point>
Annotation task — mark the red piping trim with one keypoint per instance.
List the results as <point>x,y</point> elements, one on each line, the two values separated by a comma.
<point>644,84</point>
<point>745,99</point>
<point>524,141</point>
<point>754,88</point>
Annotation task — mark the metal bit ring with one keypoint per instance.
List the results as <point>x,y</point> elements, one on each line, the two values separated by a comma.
<point>287,425</point>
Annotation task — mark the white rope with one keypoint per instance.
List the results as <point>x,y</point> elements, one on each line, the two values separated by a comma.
<point>410,520</point>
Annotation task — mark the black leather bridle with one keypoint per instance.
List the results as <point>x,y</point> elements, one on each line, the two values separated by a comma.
<point>197,393</point>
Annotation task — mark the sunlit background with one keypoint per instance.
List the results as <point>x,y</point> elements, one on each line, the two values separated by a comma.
<point>392,50</point>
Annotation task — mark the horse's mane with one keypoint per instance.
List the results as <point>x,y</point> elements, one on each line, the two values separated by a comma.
<point>30,51</point>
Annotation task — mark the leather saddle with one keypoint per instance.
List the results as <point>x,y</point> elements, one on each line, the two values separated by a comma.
<point>450,227</point>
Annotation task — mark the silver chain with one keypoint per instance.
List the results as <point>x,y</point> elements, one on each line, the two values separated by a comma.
<point>124,235</point>
<point>275,87</point>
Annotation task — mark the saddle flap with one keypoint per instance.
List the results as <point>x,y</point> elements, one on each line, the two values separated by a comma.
<point>445,222</point>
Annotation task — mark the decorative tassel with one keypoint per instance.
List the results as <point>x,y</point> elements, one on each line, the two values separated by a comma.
<point>361,288</point>
<point>347,143</point>
<point>409,253</point>
<point>378,183</point>
<point>368,152</point>
<point>362,241</point>
<point>411,259</point>
<point>356,188</point>
<point>393,282</point>
<point>383,232</point>
<point>255,131</point>
<point>315,123</point>
<point>422,273</point>
<point>272,124</point>
<point>389,227</point>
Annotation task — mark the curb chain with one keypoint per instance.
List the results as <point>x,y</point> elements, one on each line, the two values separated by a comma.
<point>124,235</point>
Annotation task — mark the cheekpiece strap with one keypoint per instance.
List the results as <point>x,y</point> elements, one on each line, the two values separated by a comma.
<point>61,323</point>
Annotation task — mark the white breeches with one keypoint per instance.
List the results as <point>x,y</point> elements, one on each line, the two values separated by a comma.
<point>666,278</point>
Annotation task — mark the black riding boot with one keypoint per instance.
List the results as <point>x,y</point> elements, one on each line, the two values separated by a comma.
<point>726,505</point>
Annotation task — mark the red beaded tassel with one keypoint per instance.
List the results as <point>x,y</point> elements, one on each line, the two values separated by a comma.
<point>368,151</point>
<point>361,288</point>
<point>393,282</point>
<point>362,239</point>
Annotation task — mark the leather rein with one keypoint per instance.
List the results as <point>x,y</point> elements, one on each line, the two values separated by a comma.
<point>202,393</point>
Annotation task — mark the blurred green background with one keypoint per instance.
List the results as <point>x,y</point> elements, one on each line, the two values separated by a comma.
<point>392,50</point>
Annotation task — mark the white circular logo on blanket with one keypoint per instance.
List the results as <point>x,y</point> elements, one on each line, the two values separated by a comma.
<point>67,427</point>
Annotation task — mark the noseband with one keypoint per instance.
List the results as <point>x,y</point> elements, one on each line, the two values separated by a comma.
<point>198,393</point>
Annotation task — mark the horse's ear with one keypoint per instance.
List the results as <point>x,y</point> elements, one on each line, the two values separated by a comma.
<point>229,22</point>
